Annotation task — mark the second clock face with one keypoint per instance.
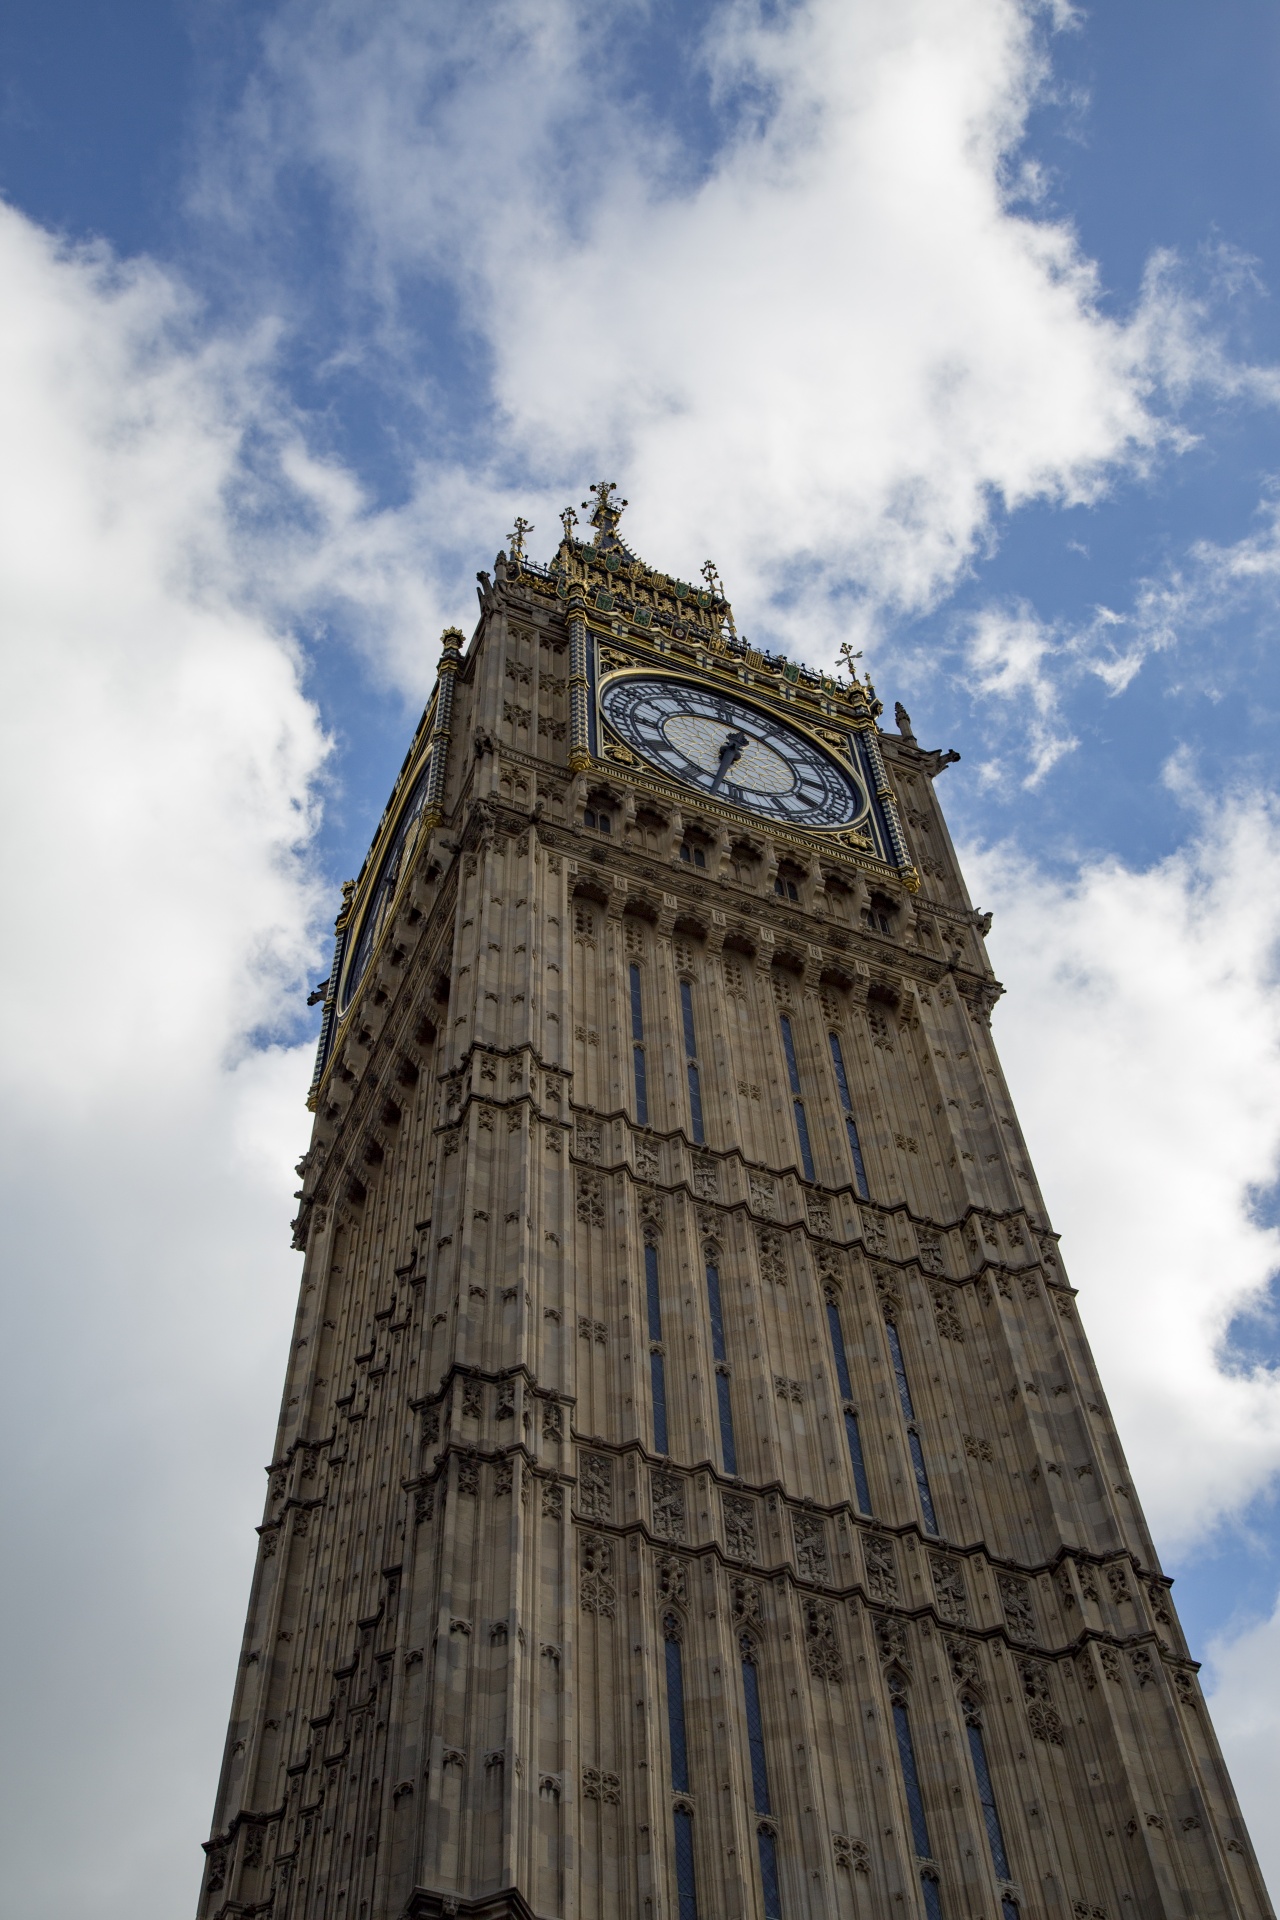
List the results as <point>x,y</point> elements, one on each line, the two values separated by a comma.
<point>724,747</point>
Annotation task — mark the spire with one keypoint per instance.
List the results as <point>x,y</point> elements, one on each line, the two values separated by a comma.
<point>606,513</point>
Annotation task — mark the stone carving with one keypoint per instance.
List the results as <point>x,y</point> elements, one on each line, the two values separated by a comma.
<point>651,1210</point>
<point>773,1266</point>
<point>670,1576</point>
<point>648,1167</point>
<point>744,1603</point>
<point>764,1196</point>
<point>1015,1598</point>
<point>930,1248</point>
<point>851,1854</point>
<point>552,1420</point>
<point>595,1486</point>
<point>886,1285</point>
<point>469,1473</point>
<point>552,1500</point>
<point>503,1476</point>
<point>602,1786</point>
<point>506,1407</point>
<point>584,921</point>
<point>596,1590</point>
<point>977,1448</point>
<point>882,1571</point>
<point>592,1330</point>
<point>740,1538</point>
<point>668,1506</point>
<point>706,1178</point>
<point>472,1400</point>
<point>874,1237</point>
<point>949,1589</point>
<point>819,1216</point>
<point>963,1656</point>
<point>1109,1660</point>
<point>1118,1585</point>
<point>1144,1672</point>
<point>590,1199</point>
<point>945,1316</point>
<point>788,1389</point>
<point>1184,1686</point>
<point>809,1532</point>
<point>822,1649</point>
<point>891,1639</point>
<point>1042,1717</point>
<point>424,1504</point>
<point>1088,1583</point>
<point>588,1134</point>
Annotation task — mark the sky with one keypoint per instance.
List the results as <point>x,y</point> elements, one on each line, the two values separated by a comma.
<point>948,328</point>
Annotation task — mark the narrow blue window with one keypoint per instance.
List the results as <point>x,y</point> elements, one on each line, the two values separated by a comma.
<point>724,1406</point>
<point>852,1433</point>
<point>797,1104</point>
<point>769,1874</point>
<point>986,1794</point>
<point>675,1705</point>
<point>657,1368</point>
<point>755,1732</point>
<point>686,1886</point>
<point>728,1452</point>
<point>691,1061</point>
<point>910,1775</point>
<point>933,1899</point>
<point>637,1050</point>
<point>913,1435</point>
<point>766,1842</point>
<point>850,1124</point>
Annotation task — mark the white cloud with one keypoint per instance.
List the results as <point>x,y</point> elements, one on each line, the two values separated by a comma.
<point>1011,653</point>
<point>1141,1035</point>
<point>157,771</point>
<point>1242,1683</point>
<point>841,336</point>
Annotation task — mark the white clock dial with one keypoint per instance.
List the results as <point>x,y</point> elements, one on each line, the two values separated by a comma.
<point>726,748</point>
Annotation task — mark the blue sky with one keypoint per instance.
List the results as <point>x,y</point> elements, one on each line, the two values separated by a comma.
<point>953,328</point>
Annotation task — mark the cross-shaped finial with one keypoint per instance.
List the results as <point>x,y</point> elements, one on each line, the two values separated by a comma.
<point>714,584</point>
<point>849,656</point>
<point>568,520</point>
<point>522,527</point>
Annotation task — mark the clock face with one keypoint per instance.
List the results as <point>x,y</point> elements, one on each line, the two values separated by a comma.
<point>379,896</point>
<point>724,747</point>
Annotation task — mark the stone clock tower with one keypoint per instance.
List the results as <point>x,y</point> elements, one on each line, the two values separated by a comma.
<point>694,1495</point>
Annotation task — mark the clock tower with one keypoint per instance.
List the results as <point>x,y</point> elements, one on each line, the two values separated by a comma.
<point>693,1492</point>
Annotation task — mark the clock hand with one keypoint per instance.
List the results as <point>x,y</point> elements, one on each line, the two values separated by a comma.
<point>730,754</point>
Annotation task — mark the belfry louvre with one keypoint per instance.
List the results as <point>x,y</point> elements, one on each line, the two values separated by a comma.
<point>693,1493</point>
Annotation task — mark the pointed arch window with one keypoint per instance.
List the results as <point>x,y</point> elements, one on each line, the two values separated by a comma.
<point>915,1798</point>
<point>913,1432</point>
<point>850,1124</point>
<point>987,1800</point>
<point>853,1433</point>
<point>724,1402</point>
<point>686,1883</point>
<point>657,1362</point>
<point>766,1832</point>
<point>691,1060</point>
<point>797,1102</point>
<point>637,1048</point>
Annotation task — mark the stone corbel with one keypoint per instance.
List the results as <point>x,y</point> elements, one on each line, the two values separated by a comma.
<point>667,915</point>
<point>716,931</point>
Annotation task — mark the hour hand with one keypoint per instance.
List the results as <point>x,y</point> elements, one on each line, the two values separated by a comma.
<point>730,753</point>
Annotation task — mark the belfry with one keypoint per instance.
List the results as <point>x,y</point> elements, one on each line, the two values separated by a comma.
<point>693,1494</point>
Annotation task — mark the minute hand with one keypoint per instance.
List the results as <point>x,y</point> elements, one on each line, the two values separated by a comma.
<point>730,753</point>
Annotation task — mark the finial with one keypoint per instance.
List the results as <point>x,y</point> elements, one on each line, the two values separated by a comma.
<point>848,656</point>
<point>711,575</point>
<point>903,719</point>
<point>568,520</point>
<point>522,527</point>
<point>606,513</point>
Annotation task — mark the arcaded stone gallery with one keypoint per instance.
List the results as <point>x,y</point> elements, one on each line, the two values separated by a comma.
<point>693,1494</point>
